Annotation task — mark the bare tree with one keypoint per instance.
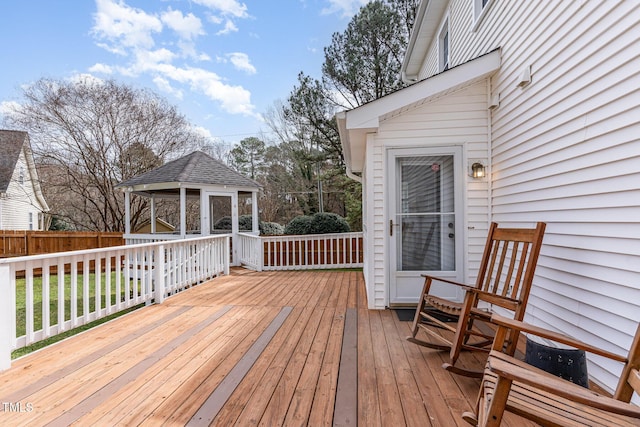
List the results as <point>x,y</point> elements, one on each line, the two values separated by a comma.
<point>88,136</point>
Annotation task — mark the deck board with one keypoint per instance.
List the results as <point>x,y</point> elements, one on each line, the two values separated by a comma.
<point>268,348</point>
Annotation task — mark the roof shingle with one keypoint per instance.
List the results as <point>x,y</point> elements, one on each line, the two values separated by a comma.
<point>11,143</point>
<point>195,168</point>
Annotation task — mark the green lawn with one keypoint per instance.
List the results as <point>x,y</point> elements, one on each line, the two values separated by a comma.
<point>53,305</point>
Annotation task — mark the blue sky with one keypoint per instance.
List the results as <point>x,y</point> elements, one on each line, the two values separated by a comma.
<point>223,63</point>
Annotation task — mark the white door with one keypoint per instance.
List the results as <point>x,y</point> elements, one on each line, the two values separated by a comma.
<point>221,217</point>
<point>425,220</point>
<point>221,214</point>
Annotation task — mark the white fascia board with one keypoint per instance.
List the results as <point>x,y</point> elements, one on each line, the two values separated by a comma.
<point>368,115</point>
<point>146,188</point>
<point>150,187</point>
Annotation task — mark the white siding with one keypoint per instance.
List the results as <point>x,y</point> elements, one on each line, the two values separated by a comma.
<point>566,150</point>
<point>369,267</point>
<point>20,200</point>
<point>377,288</point>
<point>459,118</point>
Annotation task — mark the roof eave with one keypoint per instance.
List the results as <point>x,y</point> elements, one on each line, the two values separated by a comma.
<point>31,164</point>
<point>355,124</point>
<point>428,17</point>
<point>163,186</point>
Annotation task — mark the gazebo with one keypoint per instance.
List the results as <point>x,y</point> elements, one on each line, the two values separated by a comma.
<point>220,191</point>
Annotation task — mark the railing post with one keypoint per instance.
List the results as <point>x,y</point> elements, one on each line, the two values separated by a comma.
<point>239,243</point>
<point>7,307</point>
<point>227,255</point>
<point>259,252</point>
<point>159,285</point>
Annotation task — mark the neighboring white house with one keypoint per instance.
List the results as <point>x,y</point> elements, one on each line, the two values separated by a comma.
<point>546,96</point>
<point>22,205</point>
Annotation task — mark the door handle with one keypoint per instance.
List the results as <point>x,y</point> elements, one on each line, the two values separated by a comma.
<point>391,225</point>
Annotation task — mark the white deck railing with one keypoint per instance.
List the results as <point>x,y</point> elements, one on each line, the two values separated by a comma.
<point>97,283</point>
<point>300,252</point>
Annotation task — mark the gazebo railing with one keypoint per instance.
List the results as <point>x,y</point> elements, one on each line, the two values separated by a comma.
<point>140,238</point>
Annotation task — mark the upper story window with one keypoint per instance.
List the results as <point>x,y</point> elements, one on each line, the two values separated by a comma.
<point>443,47</point>
<point>480,8</point>
<point>21,175</point>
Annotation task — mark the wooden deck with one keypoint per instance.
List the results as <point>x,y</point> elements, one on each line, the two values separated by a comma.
<point>276,348</point>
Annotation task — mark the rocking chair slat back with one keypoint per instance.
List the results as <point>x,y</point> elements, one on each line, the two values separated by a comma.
<point>510,270</point>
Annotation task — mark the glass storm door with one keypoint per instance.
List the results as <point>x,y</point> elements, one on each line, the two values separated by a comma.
<point>424,224</point>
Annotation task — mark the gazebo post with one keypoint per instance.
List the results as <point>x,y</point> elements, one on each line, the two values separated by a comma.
<point>183,212</point>
<point>153,214</point>
<point>127,211</point>
<point>255,226</point>
<point>235,228</point>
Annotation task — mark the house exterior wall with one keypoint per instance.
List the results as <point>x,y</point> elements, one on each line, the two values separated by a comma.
<point>367,230</point>
<point>20,201</point>
<point>459,118</point>
<point>565,149</point>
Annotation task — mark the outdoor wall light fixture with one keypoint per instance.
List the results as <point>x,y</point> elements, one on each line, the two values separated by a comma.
<point>477,170</point>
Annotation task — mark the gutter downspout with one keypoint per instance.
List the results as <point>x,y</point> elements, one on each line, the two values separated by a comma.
<point>341,119</point>
<point>408,79</point>
<point>353,176</point>
<point>489,157</point>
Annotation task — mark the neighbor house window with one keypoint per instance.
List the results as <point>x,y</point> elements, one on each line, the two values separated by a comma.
<point>480,8</point>
<point>443,60</point>
<point>30,220</point>
<point>21,175</point>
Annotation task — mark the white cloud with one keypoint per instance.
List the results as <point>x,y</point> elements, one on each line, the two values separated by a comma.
<point>7,107</point>
<point>101,68</point>
<point>233,99</point>
<point>120,26</point>
<point>214,19</point>
<point>165,86</point>
<point>139,36</point>
<point>241,62</point>
<point>188,27</point>
<point>346,8</point>
<point>86,79</point>
<point>148,59</point>
<point>229,27</point>
<point>204,132</point>
<point>226,7</point>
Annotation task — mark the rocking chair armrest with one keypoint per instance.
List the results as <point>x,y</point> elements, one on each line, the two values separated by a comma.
<point>451,282</point>
<point>508,323</point>
<point>491,297</point>
<point>512,369</point>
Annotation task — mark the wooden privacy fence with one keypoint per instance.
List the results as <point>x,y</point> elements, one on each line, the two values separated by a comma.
<point>24,242</point>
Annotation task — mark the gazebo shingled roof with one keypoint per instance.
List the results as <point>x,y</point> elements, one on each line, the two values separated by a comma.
<point>191,176</point>
<point>195,168</point>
